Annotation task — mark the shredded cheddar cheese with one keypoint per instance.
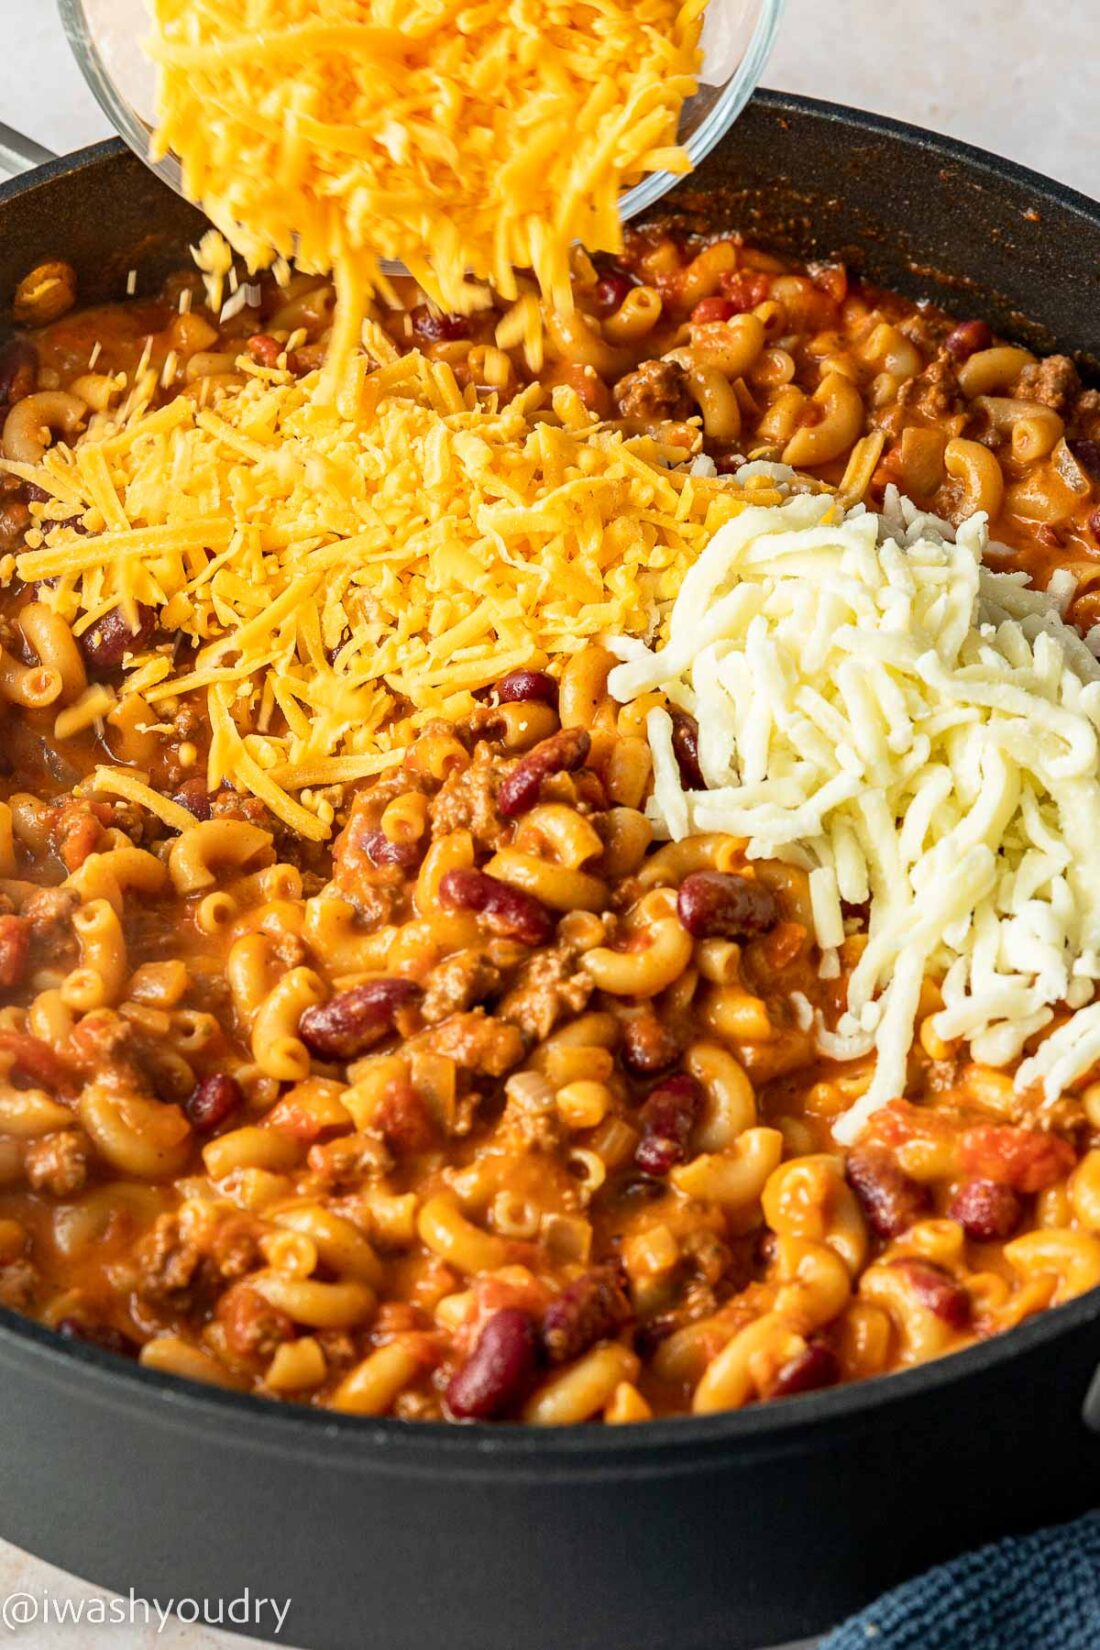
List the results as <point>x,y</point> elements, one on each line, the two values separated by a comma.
<point>468,140</point>
<point>131,786</point>
<point>348,579</point>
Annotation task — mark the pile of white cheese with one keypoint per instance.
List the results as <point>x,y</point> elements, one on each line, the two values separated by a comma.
<point>920,734</point>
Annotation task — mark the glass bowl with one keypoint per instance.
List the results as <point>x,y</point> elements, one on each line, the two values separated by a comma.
<point>106,37</point>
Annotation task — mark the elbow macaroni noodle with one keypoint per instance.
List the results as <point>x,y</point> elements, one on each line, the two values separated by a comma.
<point>379,1120</point>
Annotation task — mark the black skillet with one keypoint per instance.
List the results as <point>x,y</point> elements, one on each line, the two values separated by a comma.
<point>724,1533</point>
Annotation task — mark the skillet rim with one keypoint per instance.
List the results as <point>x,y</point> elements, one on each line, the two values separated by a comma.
<point>668,1445</point>
<point>840,114</point>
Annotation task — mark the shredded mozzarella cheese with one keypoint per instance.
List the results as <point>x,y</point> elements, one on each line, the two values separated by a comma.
<point>876,705</point>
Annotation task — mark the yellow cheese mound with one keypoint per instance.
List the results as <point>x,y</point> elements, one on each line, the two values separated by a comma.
<point>351,578</point>
<point>471,139</point>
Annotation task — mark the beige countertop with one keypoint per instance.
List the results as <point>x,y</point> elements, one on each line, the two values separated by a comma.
<point>1015,79</point>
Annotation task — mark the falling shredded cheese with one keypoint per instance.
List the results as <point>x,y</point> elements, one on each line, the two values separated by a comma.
<point>244,297</point>
<point>914,730</point>
<point>348,579</point>
<point>214,260</point>
<point>463,140</point>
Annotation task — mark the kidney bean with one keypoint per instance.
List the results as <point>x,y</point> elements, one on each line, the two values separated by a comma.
<point>18,370</point>
<point>713,309</point>
<point>1094,525</point>
<point>667,1119</point>
<point>563,752</point>
<point>937,1290</point>
<point>194,796</point>
<point>588,1310</point>
<point>649,1046</point>
<point>381,851</point>
<point>685,748</point>
<point>522,686</point>
<point>350,1022</point>
<point>890,1199</point>
<point>431,326</point>
<point>985,1210</point>
<point>807,1371</point>
<point>105,643</point>
<point>212,1101</point>
<point>1087,454</point>
<point>612,287</point>
<point>725,905</point>
<point>403,1120</point>
<point>265,350</point>
<point>507,911</point>
<point>101,1335</point>
<point>610,293</point>
<point>967,339</point>
<point>497,1374</point>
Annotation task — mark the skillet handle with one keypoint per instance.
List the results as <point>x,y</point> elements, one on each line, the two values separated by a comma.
<point>1090,1409</point>
<point>19,153</point>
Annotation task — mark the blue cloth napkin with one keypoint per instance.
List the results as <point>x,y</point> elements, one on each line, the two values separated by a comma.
<point>1031,1592</point>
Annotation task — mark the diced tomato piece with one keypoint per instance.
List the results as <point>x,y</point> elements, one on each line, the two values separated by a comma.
<point>309,1111</point>
<point>712,309</point>
<point>745,289</point>
<point>15,942</point>
<point>288,1117</point>
<point>36,1062</point>
<point>890,467</point>
<point>1025,1159</point>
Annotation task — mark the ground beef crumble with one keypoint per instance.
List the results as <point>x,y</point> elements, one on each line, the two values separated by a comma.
<point>58,1163</point>
<point>467,802</point>
<point>549,987</point>
<point>458,983</point>
<point>656,393</point>
<point>1054,381</point>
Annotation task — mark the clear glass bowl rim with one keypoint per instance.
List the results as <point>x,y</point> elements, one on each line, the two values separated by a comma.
<point>720,117</point>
